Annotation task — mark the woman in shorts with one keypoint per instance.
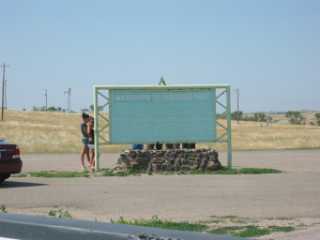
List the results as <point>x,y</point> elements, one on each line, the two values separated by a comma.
<point>85,140</point>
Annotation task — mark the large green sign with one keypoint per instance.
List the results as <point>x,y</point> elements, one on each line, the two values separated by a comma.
<point>167,115</point>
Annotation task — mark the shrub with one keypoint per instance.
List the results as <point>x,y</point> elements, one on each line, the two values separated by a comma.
<point>3,209</point>
<point>317,115</point>
<point>260,117</point>
<point>59,213</point>
<point>237,115</point>
<point>295,117</point>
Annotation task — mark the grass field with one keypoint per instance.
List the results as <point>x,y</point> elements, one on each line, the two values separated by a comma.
<point>54,132</point>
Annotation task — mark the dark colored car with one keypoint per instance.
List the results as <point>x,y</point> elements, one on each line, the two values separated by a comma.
<point>10,161</point>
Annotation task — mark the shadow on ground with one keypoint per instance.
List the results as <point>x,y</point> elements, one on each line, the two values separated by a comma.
<point>15,184</point>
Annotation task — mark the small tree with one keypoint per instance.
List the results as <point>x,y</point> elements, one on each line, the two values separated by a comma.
<point>295,117</point>
<point>317,115</point>
<point>237,115</point>
<point>260,117</point>
<point>52,109</point>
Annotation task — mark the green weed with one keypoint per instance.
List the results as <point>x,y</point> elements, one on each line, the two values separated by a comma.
<point>166,224</point>
<point>59,174</point>
<point>3,209</point>
<point>59,213</point>
<point>238,231</point>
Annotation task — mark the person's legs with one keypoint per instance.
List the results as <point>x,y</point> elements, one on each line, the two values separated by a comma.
<point>84,152</point>
<point>88,156</point>
<point>92,156</point>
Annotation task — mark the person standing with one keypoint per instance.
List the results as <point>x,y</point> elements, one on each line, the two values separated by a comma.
<point>85,140</point>
<point>91,143</point>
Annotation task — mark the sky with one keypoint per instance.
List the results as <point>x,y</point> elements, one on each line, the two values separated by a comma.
<point>269,49</point>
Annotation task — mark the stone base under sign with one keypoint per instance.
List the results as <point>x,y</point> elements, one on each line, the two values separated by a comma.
<point>169,160</point>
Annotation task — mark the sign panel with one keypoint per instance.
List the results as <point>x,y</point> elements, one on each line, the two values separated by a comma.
<point>162,115</point>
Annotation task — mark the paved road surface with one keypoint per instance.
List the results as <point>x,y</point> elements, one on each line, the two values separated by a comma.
<point>288,160</point>
<point>26,227</point>
<point>295,193</point>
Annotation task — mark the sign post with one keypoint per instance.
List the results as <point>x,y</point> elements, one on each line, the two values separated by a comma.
<point>229,128</point>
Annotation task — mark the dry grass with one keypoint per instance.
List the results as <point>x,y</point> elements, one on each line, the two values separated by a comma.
<point>59,132</point>
<point>258,136</point>
<point>42,132</point>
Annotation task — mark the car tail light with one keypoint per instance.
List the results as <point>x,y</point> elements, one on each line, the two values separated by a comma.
<point>16,153</point>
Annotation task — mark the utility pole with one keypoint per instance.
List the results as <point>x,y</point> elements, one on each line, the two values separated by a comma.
<point>46,99</point>
<point>238,105</point>
<point>68,93</point>
<point>4,94</point>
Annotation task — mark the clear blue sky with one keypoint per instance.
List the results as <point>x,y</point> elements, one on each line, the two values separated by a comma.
<point>269,49</point>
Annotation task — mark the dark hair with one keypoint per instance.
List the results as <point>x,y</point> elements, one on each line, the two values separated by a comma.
<point>85,116</point>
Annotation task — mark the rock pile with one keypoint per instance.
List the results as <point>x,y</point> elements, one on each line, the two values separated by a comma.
<point>169,160</point>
